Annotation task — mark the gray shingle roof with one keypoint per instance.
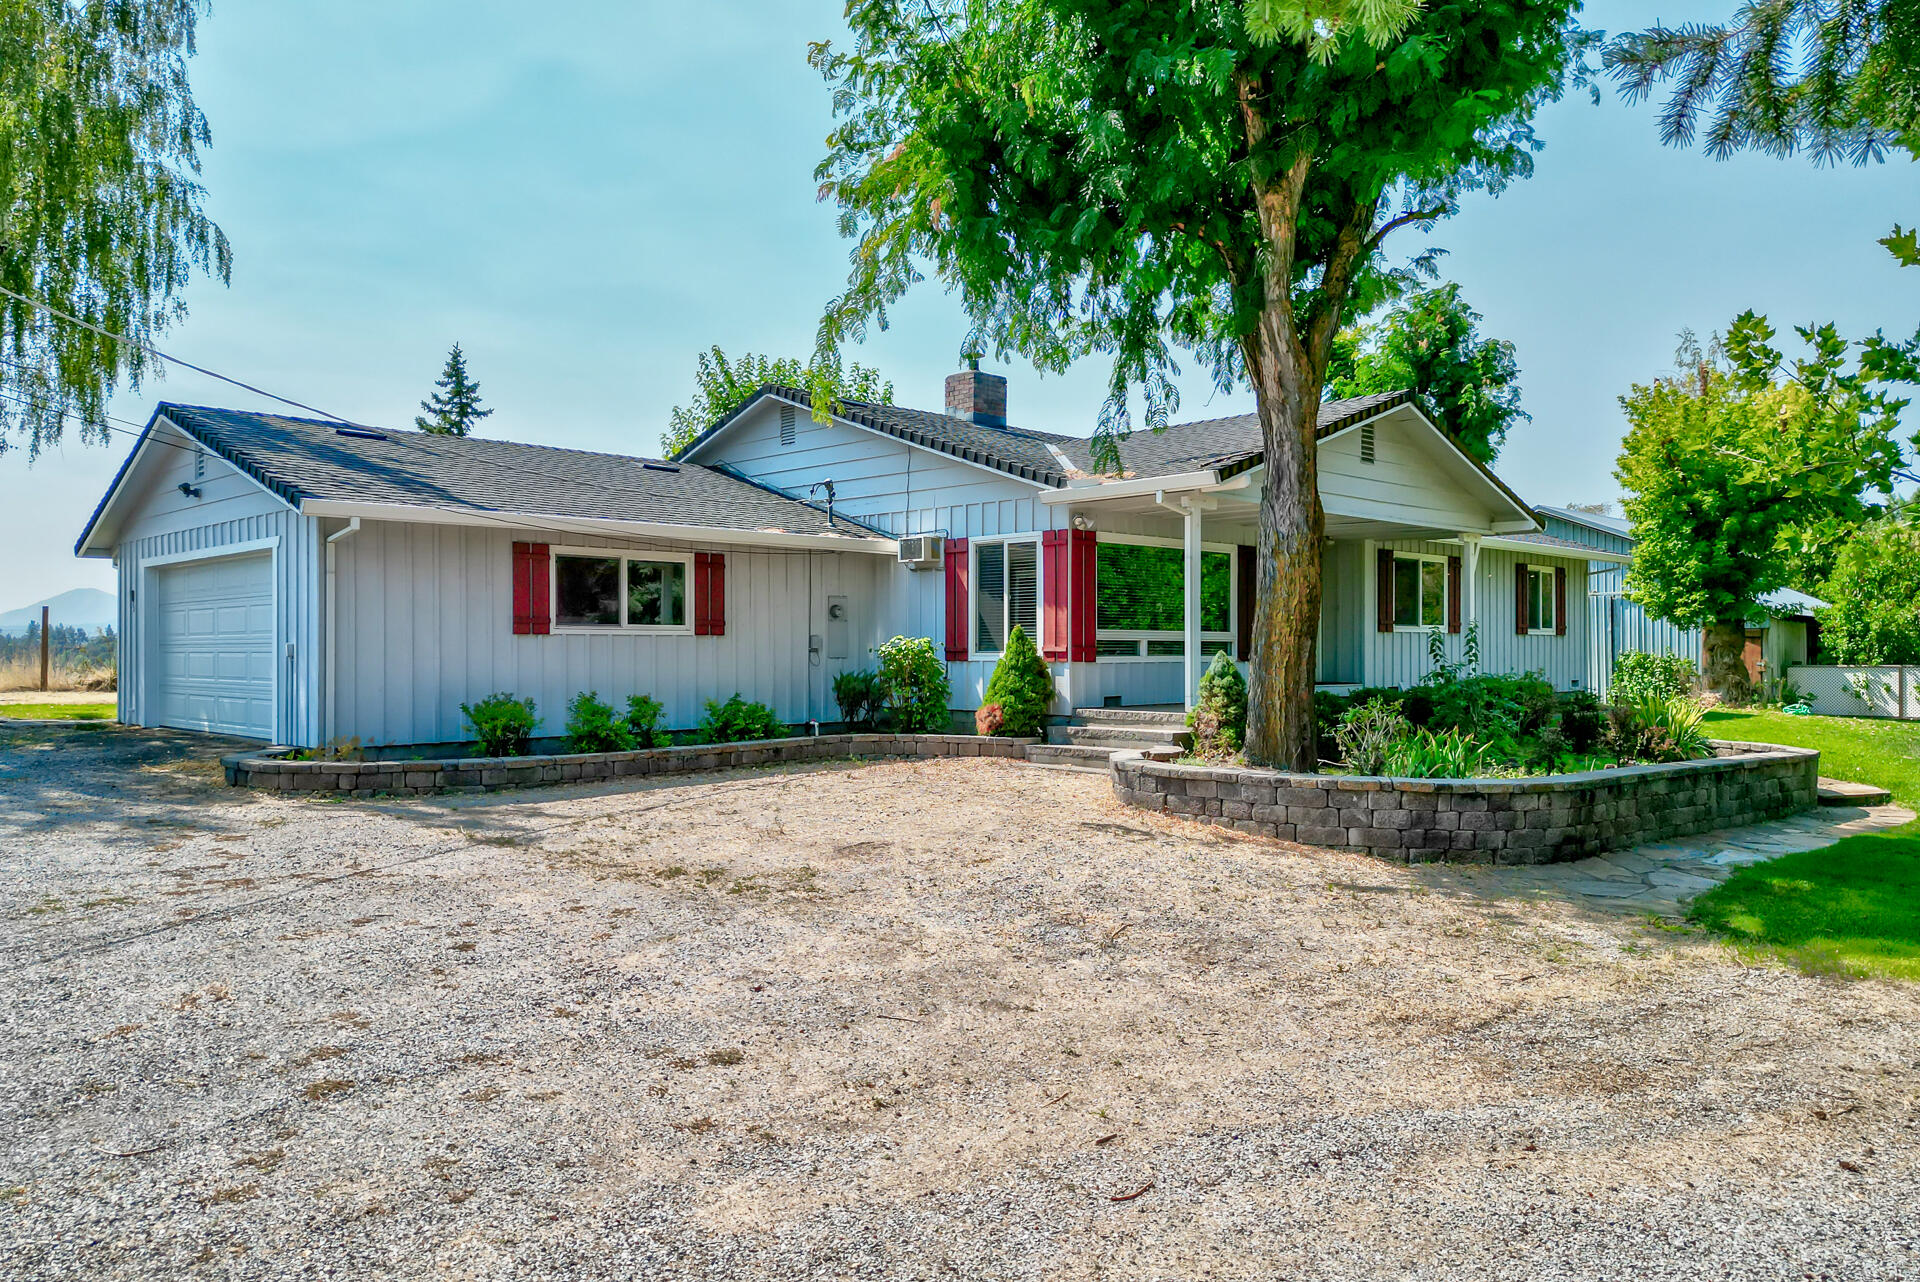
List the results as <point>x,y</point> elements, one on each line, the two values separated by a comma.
<point>1221,442</point>
<point>1553,542</point>
<point>1592,520</point>
<point>299,458</point>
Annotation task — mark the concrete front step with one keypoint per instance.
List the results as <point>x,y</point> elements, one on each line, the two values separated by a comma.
<point>1118,736</point>
<point>1071,755</point>
<point>1838,792</point>
<point>1163,717</point>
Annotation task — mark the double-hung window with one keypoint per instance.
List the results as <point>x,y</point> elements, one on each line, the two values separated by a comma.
<point>1006,593</point>
<point>1540,599</point>
<point>646,592</point>
<point>1419,591</point>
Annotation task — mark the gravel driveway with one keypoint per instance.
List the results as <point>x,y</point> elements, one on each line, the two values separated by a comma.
<point>946,1019</point>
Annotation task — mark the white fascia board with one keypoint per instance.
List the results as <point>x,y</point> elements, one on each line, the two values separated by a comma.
<point>538,523</point>
<point>1564,554</point>
<point>1141,486</point>
<point>150,440</point>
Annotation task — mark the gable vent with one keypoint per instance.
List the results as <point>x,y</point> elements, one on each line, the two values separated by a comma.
<point>199,465</point>
<point>1366,444</point>
<point>786,424</point>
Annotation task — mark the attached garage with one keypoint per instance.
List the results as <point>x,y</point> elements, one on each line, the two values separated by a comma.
<point>212,658</point>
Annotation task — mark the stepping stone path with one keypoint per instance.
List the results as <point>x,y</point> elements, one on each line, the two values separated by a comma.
<point>1662,876</point>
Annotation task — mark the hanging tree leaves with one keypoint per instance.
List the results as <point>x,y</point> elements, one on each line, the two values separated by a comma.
<point>100,210</point>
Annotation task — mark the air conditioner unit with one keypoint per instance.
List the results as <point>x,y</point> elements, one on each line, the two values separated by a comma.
<point>921,551</point>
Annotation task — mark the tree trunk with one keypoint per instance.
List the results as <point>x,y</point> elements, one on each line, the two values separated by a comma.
<point>1726,660</point>
<point>1286,616</point>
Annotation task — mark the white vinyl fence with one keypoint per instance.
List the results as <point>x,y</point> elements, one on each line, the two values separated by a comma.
<point>1859,692</point>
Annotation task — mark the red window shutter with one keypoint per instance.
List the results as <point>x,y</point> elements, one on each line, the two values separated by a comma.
<point>1520,599</point>
<point>956,559</point>
<point>540,589</point>
<point>1055,625</point>
<point>710,594</point>
<point>1085,610</point>
<point>522,591</point>
<point>1383,591</point>
<point>1246,571</point>
<point>1560,600</point>
<point>1453,594</point>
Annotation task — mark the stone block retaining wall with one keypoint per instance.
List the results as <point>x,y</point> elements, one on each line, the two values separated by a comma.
<point>1504,821</point>
<point>489,774</point>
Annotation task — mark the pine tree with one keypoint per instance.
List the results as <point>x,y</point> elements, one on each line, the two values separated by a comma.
<point>455,408</point>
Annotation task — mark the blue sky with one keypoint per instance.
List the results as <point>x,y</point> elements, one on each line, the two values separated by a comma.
<point>587,197</point>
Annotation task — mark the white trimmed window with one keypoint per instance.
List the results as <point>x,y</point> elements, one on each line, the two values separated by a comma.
<point>612,591</point>
<point>1006,592</point>
<point>1141,602</point>
<point>1419,592</point>
<point>1540,599</point>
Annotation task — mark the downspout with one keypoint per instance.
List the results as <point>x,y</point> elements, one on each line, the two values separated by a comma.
<point>347,531</point>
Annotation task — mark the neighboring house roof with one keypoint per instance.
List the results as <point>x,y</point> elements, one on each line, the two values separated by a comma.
<point>304,460</point>
<point>1592,520</point>
<point>1787,601</point>
<point>1556,544</point>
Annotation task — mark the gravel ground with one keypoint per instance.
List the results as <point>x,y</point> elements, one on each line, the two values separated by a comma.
<point>892,1020</point>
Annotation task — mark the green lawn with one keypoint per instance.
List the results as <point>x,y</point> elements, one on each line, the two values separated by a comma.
<point>1852,908</point>
<point>57,711</point>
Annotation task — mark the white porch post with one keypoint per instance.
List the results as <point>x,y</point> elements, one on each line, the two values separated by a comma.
<point>1191,579</point>
<point>1470,566</point>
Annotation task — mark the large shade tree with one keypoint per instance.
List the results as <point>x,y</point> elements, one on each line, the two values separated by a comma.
<point>100,210</point>
<point>1136,180</point>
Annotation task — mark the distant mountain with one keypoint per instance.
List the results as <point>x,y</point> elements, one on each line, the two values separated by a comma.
<point>88,608</point>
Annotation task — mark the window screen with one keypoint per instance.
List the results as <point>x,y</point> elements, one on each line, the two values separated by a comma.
<point>1142,589</point>
<point>1023,589</point>
<point>657,594</point>
<point>989,597</point>
<point>586,591</point>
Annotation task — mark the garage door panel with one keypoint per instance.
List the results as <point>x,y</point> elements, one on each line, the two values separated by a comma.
<point>214,646</point>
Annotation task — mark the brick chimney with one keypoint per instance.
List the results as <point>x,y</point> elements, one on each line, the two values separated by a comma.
<point>976,397</point>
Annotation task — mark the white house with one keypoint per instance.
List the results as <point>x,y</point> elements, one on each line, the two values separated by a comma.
<point>304,581</point>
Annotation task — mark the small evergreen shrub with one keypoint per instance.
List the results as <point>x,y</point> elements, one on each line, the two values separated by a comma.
<point>1218,718</point>
<point>502,725</point>
<point>1582,718</point>
<point>643,722</point>
<point>913,680</point>
<point>593,727</point>
<point>859,695</point>
<point>1022,685</point>
<point>990,719</point>
<point>1638,675</point>
<point>739,721</point>
<point>1367,733</point>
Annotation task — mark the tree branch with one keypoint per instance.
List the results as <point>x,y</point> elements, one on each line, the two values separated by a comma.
<point>1411,216</point>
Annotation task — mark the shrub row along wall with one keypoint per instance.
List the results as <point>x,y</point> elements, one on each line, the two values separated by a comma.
<point>489,774</point>
<point>1503,821</point>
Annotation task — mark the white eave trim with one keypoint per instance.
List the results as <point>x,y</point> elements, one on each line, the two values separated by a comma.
<point>92,547</point>
<point>1138,486</point>
<point>537,523</point>
<point>1544,549</point>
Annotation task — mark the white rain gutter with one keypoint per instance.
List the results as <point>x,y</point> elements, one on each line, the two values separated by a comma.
<point>351,528</point>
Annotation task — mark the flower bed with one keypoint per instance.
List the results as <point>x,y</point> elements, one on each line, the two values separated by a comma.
<point>1540,819</point>
<point>490,774</point>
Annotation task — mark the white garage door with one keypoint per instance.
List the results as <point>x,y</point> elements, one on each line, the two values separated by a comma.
<point>213,653</point>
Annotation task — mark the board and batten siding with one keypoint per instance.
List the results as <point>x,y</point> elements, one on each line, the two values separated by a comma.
<point>425,623</point>
<point>1400,658</point>
<point>901,489</point>
<point>230,512</point>
<point>1412,480</point>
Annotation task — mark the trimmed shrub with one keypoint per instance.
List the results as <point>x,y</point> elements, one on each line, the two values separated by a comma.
<point>1022,685</point>
<point>1367,732</point>
<point>1218,718</point>
<point>989,719</point>
<point>859,695</point>
<point>592,726</point>
<point>502,725</point>
<point>643,722</point>
<point>913,681</point>
<point>739,720</point>
<point>1638,675</point>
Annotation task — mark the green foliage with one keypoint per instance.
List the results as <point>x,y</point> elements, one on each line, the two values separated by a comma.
<point>1322,26</point>
<point>1639,675</point>
<point>1875,591</point>
<point>721,384</point>
<point>914,677</point>
<point>1367,733</point>
<point>643,722</point>
<point>1741,465</point>
<point>501,724</point>
<point>1838,78</point>
<point>739,720</point>
<point>1022,685</point>
<point>1582,718</point>
<point>860,696</point>
<point>1218,717</point>
<point>1654,729</point>
<point>592,726</point>
<point>101,217</point>
<point>1451,754</point>
<point>1429,342</point>
<point>455,408</point>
